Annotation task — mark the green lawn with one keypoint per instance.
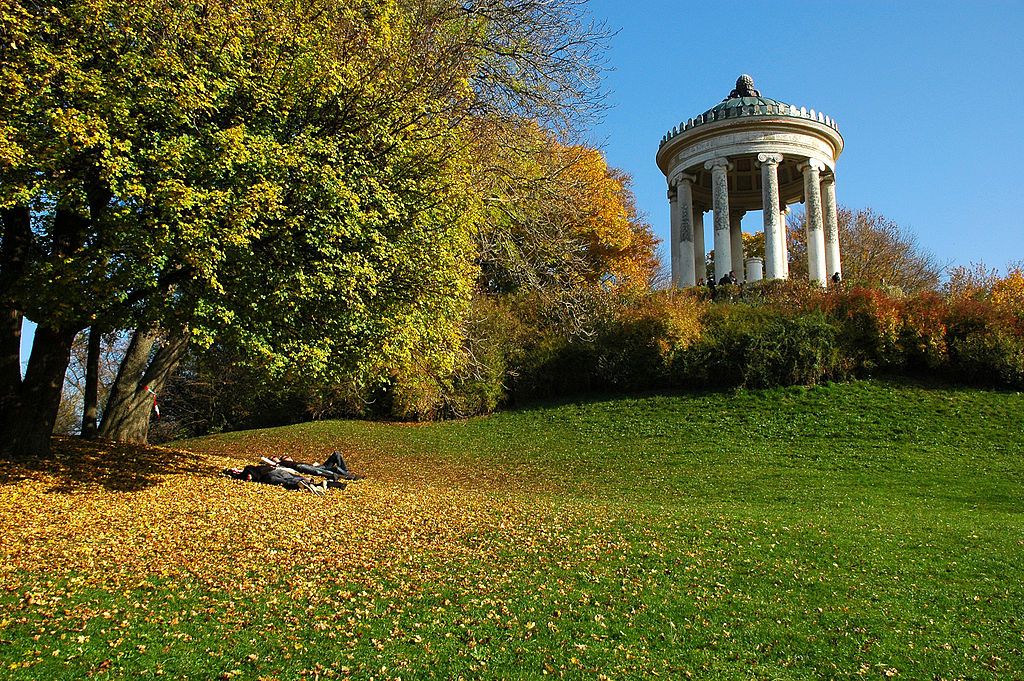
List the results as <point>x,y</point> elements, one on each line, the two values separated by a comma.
<point>867,529</point>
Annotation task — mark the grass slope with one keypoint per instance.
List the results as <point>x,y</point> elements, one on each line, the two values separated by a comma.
<point>867,529</point>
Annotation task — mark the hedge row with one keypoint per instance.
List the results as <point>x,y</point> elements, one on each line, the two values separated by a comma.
<point>781,333</point>
<point>772,334</point>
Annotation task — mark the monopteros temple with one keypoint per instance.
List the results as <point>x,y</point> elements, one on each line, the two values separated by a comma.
<point>751,153</point>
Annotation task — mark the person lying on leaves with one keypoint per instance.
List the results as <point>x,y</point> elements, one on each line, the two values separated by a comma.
<point>268,474</point>
<point>332,468</point>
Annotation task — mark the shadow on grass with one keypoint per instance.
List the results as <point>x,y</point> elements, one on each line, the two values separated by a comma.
<point>77,465</point>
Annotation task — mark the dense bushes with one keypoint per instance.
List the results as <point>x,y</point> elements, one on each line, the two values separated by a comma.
<point>630,343</point>
<point>522,347</point>
<point>973,340</point>
<point>777,333</point>
<point>984,344</point>
<point>759,347</point>
<point>782,333</point>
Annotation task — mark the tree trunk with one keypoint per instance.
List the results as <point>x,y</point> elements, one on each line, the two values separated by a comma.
<point>10,357</point>
<point>127,414</point>
<point>126,386</point>
<point>99,196</point>
<point>28,407</point>
<point>15,236</point>
<point>90,408</point>
<point>26,426</point>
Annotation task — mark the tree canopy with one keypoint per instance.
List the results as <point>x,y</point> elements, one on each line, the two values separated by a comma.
<point>293,179</point>
<point>875,251</point>
<point>555,215</point>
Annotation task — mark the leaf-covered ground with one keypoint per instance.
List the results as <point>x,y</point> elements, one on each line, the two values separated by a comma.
<point>861,530</point>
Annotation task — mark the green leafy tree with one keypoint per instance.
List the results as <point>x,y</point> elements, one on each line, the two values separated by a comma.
<point>244,171</point>
<point>288,178</point>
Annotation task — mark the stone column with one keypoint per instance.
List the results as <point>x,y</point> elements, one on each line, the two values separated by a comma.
<point>774,219</point>
<point>755,271</point>
<point>699,250</point>
<point>687,264</point>
<point>719,168</point>
<point>830,214</point>
<point>673,239</point>
<point>783,212</point>
<point>815,226</point>
<point>736,243</point>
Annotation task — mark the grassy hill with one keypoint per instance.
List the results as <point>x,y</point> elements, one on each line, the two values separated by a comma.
<point>867,529</point>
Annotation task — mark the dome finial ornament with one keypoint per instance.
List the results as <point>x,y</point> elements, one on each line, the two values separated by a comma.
<point>744,88</point>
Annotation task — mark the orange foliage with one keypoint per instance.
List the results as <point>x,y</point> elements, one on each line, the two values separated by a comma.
<point>555,215</point>
<point>923,333</point>
<point>601,211</point>
<point>1008,293</point>
<point>1003,296</point>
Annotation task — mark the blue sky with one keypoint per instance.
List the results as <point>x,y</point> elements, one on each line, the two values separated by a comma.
<point>929,98</point>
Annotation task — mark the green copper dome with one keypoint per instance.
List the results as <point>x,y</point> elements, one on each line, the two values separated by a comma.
<point>739,102</point>
<point>744,102</point>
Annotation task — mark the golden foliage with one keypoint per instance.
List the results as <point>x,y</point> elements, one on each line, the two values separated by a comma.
<point>969,281</point>
<point>674,317</point>
<point>123,513</point>
<point>601,211</point>
<point>556,216</point>
<point>1008,292</point>
<point>979,282</point>
<point>875,252</point>
<point>122,518</point>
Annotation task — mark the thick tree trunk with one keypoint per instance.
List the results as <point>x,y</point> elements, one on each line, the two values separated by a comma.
<point>90,410</point>
<point>26,426</point>
<point>15,236</point>
<point>28,408</point>
<point>127,384</point>
<point>126,416</point>
<point>10,357</point>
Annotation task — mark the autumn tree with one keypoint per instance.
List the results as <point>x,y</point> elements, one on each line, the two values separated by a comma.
<point>875,251</point>
<point>559,240</point>
<point>555,217</point>
<point>244,171</point>
<point>290,179</point>
<point>974,280</point>
<point>978,282</point>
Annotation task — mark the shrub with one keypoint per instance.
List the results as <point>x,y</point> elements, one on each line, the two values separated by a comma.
<point>984,344</point>
<point>629,345</point>
<point>922,336</point>
<point>801,350</point>
<point>750,346</point>
<point>634,349</point>
<point>1008,296</point>
<point>525,346</point>
<point>786,295</point>
<point>869,328</point>
<point>715,360</point>
<point>494,338</point>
